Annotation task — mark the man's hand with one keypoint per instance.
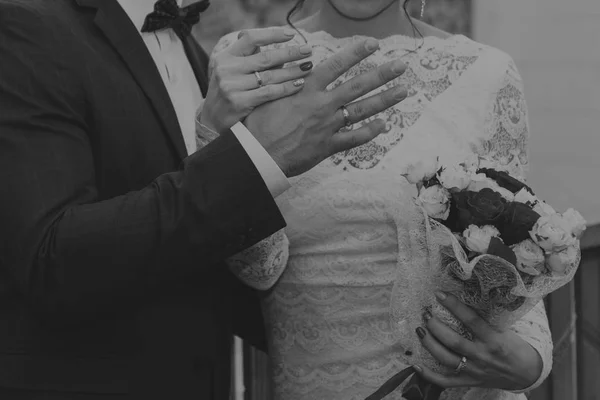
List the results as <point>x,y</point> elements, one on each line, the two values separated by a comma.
<point>301,130</point>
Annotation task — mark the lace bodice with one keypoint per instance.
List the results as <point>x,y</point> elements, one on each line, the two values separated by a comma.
<point>328,315</point>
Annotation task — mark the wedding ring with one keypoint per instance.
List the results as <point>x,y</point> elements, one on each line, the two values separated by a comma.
<point>461,365</point>
<point>346,114</point>
<point>258,78</point>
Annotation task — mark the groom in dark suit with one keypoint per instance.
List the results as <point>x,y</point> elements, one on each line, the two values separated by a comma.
<point>112,229</point>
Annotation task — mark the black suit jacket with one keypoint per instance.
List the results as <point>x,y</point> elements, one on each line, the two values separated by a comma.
<point>111,239</point>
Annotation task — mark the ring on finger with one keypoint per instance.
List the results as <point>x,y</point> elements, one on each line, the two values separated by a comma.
<point>259,79</point>
<point>346,114</point>
<point>461,365</point>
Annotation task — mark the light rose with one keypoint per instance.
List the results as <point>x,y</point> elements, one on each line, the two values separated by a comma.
<point>421,170</point>
<point>436,201</point>
<point>530,257</point>
<point>575,221</point>
<point>454,177</point>
<point>480,181</point>
<point>478,239</point>
<point>525,197</point>
<point>543,208</point>
<point>552,233</point>
<point>559,262</point>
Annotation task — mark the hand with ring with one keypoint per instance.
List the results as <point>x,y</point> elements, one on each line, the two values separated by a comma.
<point>493,359</point>
<point>301,130</point>
<point>243,77</point>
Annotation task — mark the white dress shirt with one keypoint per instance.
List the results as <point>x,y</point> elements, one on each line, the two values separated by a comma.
<point>177,74</point>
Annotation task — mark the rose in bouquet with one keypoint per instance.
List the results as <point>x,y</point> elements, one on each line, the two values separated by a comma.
<point>485,238</point>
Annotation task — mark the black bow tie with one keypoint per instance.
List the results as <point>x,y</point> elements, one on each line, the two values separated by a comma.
<point>167,14</point>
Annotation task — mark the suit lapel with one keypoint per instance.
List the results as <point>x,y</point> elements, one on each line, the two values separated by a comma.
<point>123,36</point>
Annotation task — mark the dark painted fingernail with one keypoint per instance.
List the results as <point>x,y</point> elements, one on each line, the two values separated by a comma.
<point>421,332</point>
<point>441,295</point>
<point>307,66</point>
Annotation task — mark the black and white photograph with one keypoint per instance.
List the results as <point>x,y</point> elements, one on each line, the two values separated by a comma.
<point>299,200</point>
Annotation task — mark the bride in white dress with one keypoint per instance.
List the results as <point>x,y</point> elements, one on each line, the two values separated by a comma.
<point>329,326</point>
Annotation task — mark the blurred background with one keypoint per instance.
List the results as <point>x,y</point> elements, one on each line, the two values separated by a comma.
<point>555,45</point>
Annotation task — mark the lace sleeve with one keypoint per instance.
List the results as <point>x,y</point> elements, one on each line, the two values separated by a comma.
<point>261,265</point>
<point>534,329</point>
<point>507,147</point>
<point>506,143</point>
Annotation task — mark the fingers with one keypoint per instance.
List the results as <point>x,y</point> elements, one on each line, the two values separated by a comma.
<point>264,94</point>
<point>451,339</point>
<point>270,77</point>
<point>343,141</point>
<point>330,69</point>
<point>271,59</point>
<point>365,83</point>
<point>466,315</point>
<point>446,381</point>
<point>250,40</point>
<point>370,106</point>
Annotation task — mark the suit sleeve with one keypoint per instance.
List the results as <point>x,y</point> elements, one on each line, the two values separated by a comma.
<point>66,250</point>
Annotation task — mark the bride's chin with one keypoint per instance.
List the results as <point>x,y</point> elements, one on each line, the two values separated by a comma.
<point>360,8</point>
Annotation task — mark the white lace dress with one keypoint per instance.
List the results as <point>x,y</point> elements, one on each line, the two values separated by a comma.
<point>328,313</point>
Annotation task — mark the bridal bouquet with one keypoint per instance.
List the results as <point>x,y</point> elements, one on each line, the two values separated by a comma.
<point>489,241</point>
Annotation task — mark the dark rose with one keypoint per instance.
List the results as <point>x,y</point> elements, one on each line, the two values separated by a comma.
<point>504,180</point>
<point>477,208</point>
<point>518,219</point>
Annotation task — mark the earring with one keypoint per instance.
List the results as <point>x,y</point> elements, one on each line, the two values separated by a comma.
<point>422,8</point>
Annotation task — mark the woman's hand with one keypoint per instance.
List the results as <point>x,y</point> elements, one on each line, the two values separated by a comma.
<point>244,78</point>
<point>494,359</point>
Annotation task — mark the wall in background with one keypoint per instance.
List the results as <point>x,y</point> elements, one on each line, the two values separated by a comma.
<point>555,45</point>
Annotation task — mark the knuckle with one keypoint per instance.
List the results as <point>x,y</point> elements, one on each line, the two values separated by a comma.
<point>337,65</point>
<point>218,73</point>
<point>496,349</point>
<point>293,52</point>
<point>382,75</point>
<point>267,76</point>
<point>358,111</point>
<point>356,86</point>
<point>266,93</point>
<point>242,33</point>
<point>265,59</point>
<point>360,51</point>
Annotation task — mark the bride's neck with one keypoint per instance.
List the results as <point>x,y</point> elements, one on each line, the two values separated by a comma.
<point>391,22</point>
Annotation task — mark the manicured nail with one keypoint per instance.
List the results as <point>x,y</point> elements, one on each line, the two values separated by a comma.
<point>400,93</point>
<point>289,32</point>
<point>421,332</point>
<point>298,82</point>
<point>306,66</point>
<point>306,49</point>
<point>398,67</point>
<point>371,45</point>
<point>417,368</point>
<point>441,295</point>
